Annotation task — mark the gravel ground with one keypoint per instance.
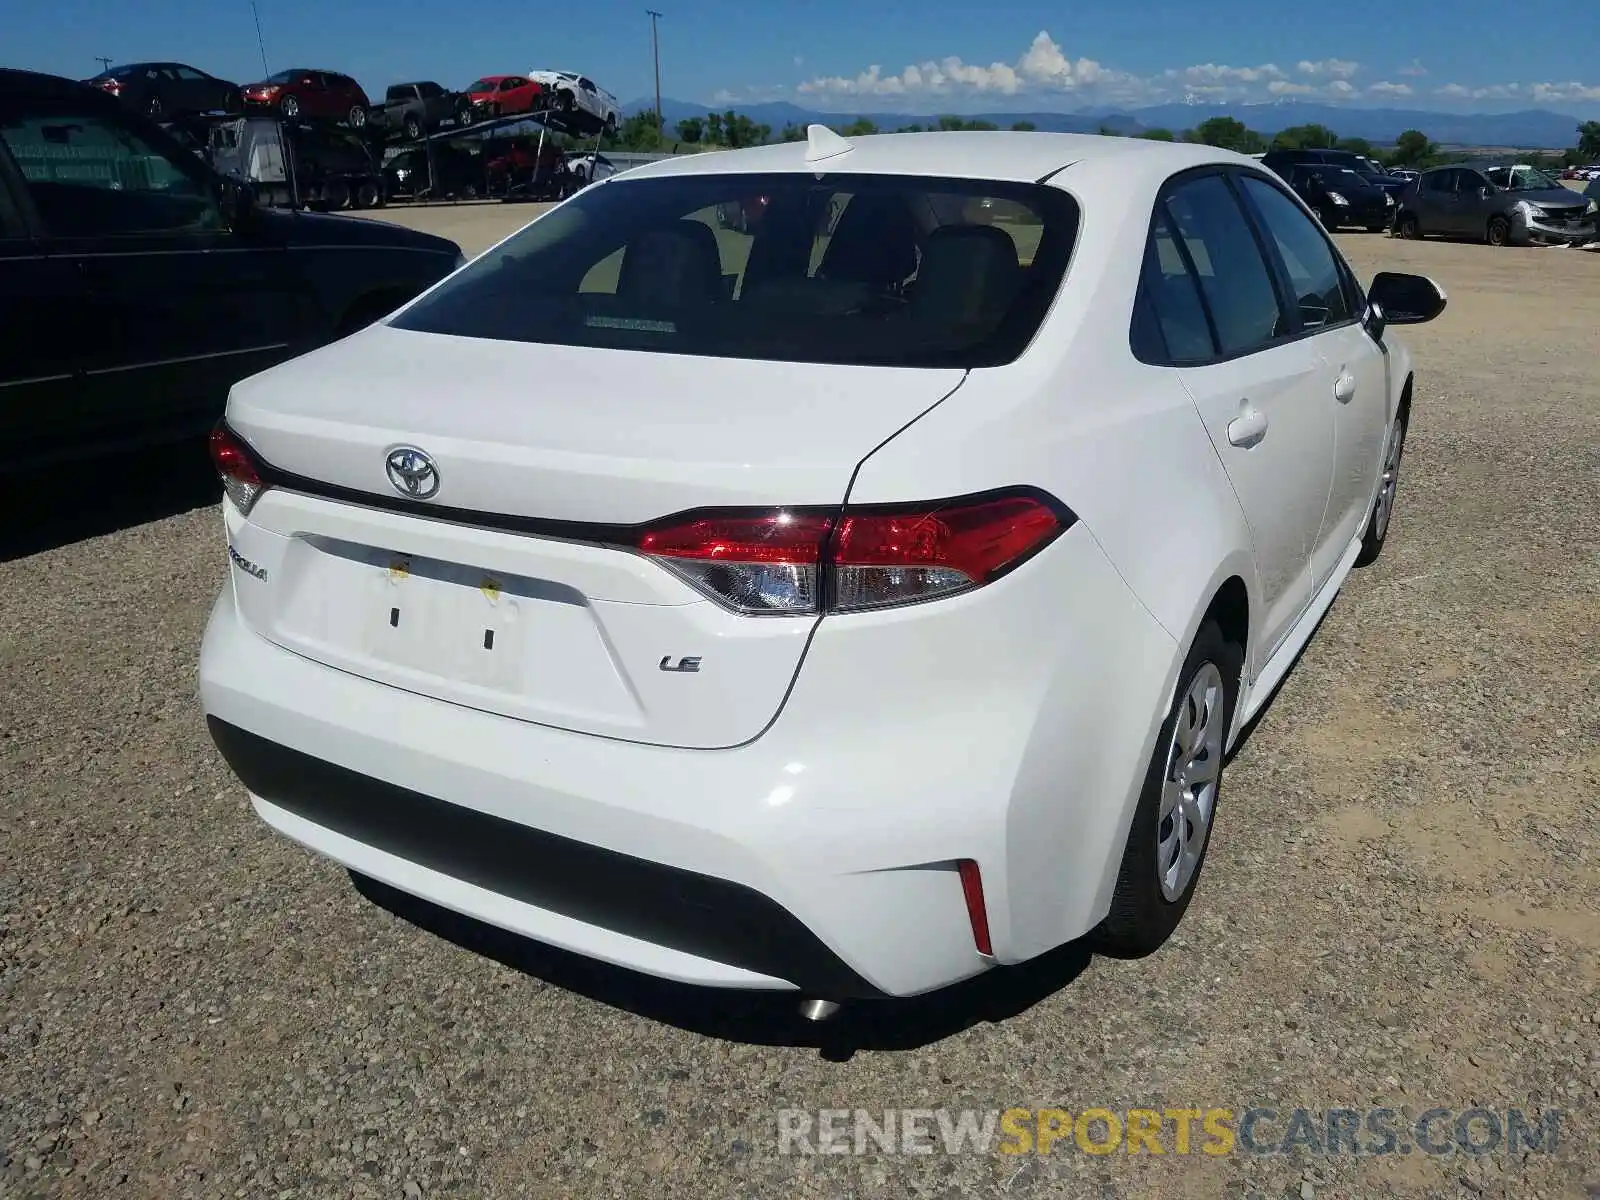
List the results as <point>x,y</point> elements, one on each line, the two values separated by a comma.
<point>1402,906</point>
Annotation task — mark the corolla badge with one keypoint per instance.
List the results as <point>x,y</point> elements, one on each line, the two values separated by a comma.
<point>412,473</point>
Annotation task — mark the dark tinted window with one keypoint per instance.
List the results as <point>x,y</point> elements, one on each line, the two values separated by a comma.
<point>1469,181</point>
<point>1233,276</point>
<point>889,270</point>
<point>1313,274</point>
<point>429,90</point>
<point>1172,297</point>
<point>480,85</point>
<point>290,76</point>
<point>187,74</point>
<point>1440,181</point>
<point>90,175</point>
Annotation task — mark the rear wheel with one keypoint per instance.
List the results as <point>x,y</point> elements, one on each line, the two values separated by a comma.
<point>565,101</point>
<point>1499,232</point>
<point>357,116</point>
<point>413,129</point>
<point>1172,822</point>
<point>1382,517</point>
<point>366,195</point>
<point>1408,227</point>
<point>289,107</point>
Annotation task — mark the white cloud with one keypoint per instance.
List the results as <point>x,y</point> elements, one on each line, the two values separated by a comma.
<point>1329,68</point>
<point>799,60</point>
<point>1046,74</point>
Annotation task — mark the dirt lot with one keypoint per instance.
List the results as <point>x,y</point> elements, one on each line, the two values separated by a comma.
<point>1402,906</point>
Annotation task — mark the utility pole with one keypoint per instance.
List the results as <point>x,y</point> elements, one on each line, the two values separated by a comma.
<point>105,63</point>
<point>655,48</point>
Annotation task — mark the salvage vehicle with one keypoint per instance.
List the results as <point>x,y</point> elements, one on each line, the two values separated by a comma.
<point>1503,206</point>
<point>575,95</point>
<point>414,110</point>
<point>168,90</point>
<point>885,611</point>
<point>496,96</point>
<point>293,164</point>
<point>176,282</point>
<point>306,93</point>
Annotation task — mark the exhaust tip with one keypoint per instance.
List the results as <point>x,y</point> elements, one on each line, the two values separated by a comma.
<point>818,1010</point>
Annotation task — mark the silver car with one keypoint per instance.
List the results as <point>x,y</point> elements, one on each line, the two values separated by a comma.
<point>1504,206</point>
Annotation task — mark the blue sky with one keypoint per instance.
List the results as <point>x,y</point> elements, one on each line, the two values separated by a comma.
<point>857,55</point>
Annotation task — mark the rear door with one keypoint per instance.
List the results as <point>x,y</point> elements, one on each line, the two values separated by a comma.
<point>1441,211</point>
<point>1329,307</point>
<point>1262,389</point>
<point>175,306</point>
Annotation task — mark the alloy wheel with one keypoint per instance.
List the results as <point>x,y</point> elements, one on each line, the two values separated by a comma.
<point>1389,484</point>
<point>1189,788</point>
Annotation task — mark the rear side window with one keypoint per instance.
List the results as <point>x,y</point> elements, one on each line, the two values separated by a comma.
<point>1226,259</point>
<point>855,269</point>
<point>1313,273</point>
<point>1182,333</point>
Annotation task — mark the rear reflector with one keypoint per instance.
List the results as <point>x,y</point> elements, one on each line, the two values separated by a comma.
<point>241,477</point>
<point>796,562</point>
<point>977,913</point>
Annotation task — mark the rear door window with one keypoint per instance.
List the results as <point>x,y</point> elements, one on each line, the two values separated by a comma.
<point>858,269</point>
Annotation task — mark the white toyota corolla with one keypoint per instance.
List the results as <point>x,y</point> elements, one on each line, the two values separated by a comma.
<point>860,598</point>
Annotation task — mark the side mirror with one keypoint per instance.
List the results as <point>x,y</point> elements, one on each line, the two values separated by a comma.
<point>1400,299</point>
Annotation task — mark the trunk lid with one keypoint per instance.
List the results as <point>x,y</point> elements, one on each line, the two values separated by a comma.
<point>573,630</point>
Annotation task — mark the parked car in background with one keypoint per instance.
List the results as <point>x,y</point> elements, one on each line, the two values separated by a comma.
<point>1339,196</point>
<point>413,110</point>
<point>578,96</point>
<point>1370,172</point>
<point>169,89</point>
<point>137,284</point>
<point>311,94</point>
<point>441,171</point>
<point>648,676</point>
<point>589,166</point>
<point>526,162</point>
<point>1526,206</point>
<point>496,96</point>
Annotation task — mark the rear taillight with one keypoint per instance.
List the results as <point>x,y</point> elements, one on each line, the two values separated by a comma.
<point>114,86</point>
<point>808,561</point>
<point>241,476</point>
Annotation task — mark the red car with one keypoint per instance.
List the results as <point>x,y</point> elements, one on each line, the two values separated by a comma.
<point>305,93</point>
<point>502,96</point>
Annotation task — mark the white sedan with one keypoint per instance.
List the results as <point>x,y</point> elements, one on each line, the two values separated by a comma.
<point>855,605</point>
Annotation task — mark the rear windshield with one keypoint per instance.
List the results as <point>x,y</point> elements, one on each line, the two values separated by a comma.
<point>857,269</point>
<point>285,76</point>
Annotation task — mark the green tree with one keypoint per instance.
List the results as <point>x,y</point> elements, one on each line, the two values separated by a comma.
<point>638,132</point>
<point>739,130</point>
<point>1228,133</point>
<point>860,127</point>
<point>691,129</point>
<point>1158,135</point>
<point>1357,146</point>
<point>1023,126</point>
<point>1305,137</point>
<point>1412,148</point>
<point>793,133</point>
<point>1589,140</point>
<point>911,129</point>
<point>714,127</point>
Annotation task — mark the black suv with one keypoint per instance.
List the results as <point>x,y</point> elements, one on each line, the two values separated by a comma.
<point>1340,187</point>
<point>137,285</point>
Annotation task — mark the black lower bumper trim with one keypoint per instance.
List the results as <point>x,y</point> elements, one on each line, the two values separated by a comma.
<point>683,910</point>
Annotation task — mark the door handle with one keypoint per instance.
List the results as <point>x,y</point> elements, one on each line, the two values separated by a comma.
<point>1248,428</point>
<point>1344,388</point>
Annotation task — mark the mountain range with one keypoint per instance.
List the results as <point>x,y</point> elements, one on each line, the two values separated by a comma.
<point>1532,128</point>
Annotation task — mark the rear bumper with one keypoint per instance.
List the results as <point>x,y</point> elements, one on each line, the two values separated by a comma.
<point>820,856</point>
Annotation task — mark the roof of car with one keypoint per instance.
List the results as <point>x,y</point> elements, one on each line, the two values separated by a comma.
<point>963,154</point>
<point>14,81</point>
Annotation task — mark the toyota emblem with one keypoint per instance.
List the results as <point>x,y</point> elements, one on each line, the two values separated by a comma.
<point>412,473</point>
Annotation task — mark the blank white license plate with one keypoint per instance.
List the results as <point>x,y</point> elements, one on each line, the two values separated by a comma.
<point>448,621</point>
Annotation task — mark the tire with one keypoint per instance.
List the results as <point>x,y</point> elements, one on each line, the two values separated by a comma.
<point>1408,227</point>
<point>153,108</point>
<point>1152,891</point>
<point>1329,219</point>
<point>357,117</point>
<point>289,107</point>
<point>610,129</point>
<point>565,102</point>
<point>337,196</point>
<point>413,128</point>
<point>464,116</point>
<point>366,195</point>
<point>1499,232</point>
<point>1381,520</point>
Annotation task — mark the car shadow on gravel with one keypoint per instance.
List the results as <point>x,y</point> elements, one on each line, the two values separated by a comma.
<point>758,1018</point>
<point>45,510</point>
